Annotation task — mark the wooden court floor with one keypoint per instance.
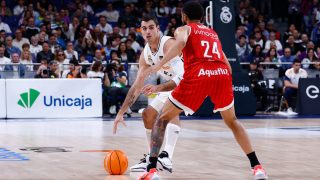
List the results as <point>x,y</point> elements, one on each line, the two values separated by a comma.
<point>206,149</point>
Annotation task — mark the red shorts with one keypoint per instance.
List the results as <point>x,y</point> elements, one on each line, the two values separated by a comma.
<point>211,79</point>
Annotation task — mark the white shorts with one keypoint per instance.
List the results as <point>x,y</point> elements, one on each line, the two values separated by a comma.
<point>158,102</point>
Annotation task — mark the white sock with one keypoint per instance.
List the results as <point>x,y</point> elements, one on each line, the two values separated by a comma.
<point>172,135</point>
<point>148,135</point>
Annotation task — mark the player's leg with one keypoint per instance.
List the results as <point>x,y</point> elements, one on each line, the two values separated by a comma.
<point>169,112</point>
<point>149,116</point>
<point>243,140</point>
<point>171,138</point>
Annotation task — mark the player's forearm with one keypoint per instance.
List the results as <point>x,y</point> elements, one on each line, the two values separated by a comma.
<point>172,52</point>
<point>167,86</point>
<point>131,97</point>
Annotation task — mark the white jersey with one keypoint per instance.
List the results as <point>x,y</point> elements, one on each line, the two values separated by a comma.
<point>173,70</point>
<point>293,77</point>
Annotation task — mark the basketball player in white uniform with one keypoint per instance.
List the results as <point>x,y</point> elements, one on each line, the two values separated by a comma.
<point>154,50</point>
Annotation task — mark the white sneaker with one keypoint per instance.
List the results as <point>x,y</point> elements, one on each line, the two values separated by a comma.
<point>142,165</point>
<point>165,162</point>
<point>112,110</point>
<point>291,112</point>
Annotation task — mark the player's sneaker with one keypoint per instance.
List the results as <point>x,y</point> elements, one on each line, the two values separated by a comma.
<point>259,173</point>
<point>165,161</point>
<point>142,165</point>
<point>151,175</point>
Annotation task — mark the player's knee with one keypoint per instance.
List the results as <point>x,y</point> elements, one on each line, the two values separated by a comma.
<point>232,122</point>
<point>148,118</point>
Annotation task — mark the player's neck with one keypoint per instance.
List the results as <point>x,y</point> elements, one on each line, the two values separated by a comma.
<point>155,44</point>
<point>193,21</point>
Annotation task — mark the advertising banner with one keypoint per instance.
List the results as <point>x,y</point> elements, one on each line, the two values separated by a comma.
<point>3,110</point>
<point>53,98</point>
<point>309,96</point>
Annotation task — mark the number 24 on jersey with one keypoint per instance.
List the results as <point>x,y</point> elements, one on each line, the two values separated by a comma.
<point>214,49</point>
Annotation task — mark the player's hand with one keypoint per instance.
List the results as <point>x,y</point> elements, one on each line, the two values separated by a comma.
<point>119,119</point>
<point>148,89</point>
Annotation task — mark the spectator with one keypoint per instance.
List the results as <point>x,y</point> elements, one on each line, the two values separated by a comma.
<point>64,16</point>
<point>104,26</point>
<point>3,58</point>
<point>98,56</point>
<point>294,47</point>
<point>72,28</point>
<point>148,10</point>
<point>242,48</point>
<point>16,66</point>
<point>62,63</point>
<point>111,14</point>
<point>74,68</point>
<point>97,36</point>
<point>272,56</point>
<point>125,54</point>
<point>135,45</point>
<point>315,34</point>
<point>291,82</point>
<point>26,58</point>
<point>46,53</point>
<point>19,8</point>
<point>124,30</point>
<point>4,26</point>
<point>115,82</point>
<point>310,58</point>
<point>256,54</point>
<point>87,7</point>
<point>273,39</point>
<point>5,11</point>
<point>114,56</point>
<point>3,36</point>
<point>304,41</point>
<point>288,58</point>
<point>130,50</point>
<point>127,17</point>
<point>46,72</point>
<point>19,40</point>
<point>10,48</point>
<point>259,39</point>
<point>70,53</point>
<point>162,10</point>
<point>31,29</point>
<point>96,70</point>
<point>88,47</point>
<point>35,47</point>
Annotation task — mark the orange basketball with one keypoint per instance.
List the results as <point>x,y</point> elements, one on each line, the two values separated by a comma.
<point>116,162</point>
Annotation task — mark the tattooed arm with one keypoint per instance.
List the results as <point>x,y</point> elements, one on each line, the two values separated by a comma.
<point>133,93</point>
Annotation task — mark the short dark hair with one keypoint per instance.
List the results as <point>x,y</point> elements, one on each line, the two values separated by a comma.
<point>296,61</point>
<point>193,10</point>
<point>148,17</point>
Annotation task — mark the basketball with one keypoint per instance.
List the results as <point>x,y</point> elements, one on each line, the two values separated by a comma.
<point>116,162</point>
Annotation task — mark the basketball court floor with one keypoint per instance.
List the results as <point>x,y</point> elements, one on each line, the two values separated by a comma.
<point>51,149</point>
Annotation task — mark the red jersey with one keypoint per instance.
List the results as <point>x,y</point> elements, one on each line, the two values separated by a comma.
<point>203,45</point>
<point>206,73</point>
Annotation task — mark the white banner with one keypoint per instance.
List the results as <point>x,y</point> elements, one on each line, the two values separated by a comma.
<point>53,98</point>
<point>3,111</point>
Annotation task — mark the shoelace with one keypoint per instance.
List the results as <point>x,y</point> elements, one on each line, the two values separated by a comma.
<point>143,160</point>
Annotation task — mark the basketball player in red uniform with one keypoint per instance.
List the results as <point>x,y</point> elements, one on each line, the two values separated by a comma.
<point>207,73</point>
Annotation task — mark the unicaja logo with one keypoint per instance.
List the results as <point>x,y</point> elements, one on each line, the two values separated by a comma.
<point>28,98</point>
